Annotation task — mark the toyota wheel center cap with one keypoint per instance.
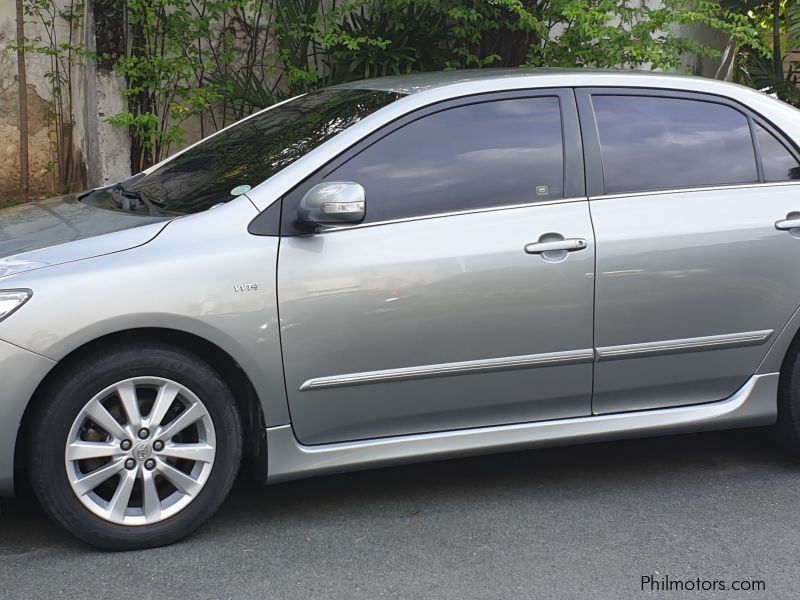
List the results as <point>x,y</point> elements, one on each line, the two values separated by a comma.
<point>142,451</point>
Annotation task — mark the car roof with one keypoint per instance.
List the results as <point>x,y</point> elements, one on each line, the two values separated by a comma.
<point>413,83</point>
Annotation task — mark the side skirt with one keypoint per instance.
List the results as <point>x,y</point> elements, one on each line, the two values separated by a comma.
<point>755,403</point>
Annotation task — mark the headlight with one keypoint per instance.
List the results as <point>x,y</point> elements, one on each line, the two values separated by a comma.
<point>11,300</point>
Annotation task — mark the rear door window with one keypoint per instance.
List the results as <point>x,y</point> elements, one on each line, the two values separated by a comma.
<point>651,143</point>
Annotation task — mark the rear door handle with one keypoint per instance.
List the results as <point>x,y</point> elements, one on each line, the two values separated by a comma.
<point>569,244</point>
<point>787,224</point>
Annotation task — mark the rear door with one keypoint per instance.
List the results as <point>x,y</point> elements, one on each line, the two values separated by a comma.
<point>465,298</point>
<point>693,277</point>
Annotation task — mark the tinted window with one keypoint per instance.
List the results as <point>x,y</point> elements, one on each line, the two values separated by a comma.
<point>778,162</point>
<point>246,154</point>
<point>651,143</point>
<point>479,155</point>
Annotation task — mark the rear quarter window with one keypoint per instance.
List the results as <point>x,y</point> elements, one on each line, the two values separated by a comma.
<point>779,164</point>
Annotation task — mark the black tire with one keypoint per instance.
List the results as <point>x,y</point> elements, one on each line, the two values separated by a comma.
<point>788,424</point>
<point>65,397</point>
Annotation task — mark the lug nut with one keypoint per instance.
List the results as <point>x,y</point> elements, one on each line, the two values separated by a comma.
<point>130,464</point>
<point>158,445</point>
<point>143,433</point>
<point>149,464</point>
<point>126,445</point>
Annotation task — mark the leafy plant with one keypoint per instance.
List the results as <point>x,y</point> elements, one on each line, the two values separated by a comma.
<point>369,38</point>
<point>386,38</point>
<point>219,60</point>
<point>165,75</point>
<point>760,64</point>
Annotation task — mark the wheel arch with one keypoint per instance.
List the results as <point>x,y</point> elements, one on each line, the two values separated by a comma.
<point>236,378</point>
<point>784,342</point>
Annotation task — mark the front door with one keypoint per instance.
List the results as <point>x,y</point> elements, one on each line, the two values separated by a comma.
<point>694,278</point>
<point>465,298</point>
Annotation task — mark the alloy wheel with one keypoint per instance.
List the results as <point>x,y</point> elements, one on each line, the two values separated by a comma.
<point>140,450</point>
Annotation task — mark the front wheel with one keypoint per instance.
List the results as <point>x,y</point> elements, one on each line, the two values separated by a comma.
<point>136,447</point>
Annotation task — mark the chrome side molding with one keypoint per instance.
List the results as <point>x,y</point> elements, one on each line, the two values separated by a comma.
<point>455,368</point>
<point>697,344</point>
<point>753,404</point>
<point>569,357</point>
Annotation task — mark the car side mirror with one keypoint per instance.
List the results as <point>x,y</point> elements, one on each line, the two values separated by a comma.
<point>333,202</point>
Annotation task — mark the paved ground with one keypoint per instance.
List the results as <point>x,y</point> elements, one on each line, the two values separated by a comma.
<point>581,522</point>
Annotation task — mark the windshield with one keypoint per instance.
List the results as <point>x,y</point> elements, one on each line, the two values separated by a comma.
<point>245,154</point>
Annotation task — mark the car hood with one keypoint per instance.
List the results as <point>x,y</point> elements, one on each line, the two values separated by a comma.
<point>58,230</point>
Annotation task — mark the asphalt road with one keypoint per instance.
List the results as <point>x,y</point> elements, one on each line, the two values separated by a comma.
<point>578,522</point>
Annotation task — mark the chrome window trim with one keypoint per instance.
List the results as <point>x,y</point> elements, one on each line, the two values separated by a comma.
<point>696,344</point>
<point>455,213</point>
<point>710,188</point>
<point>707,188</point>
<point>466,367</point>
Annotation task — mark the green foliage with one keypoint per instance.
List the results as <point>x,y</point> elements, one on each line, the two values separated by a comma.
<point>164,71</point>
<point>7,201</point>
<point>368,38</point>
<point>220,60</point>
<point>759,63</point>
<point>582,33</point>
<point>390,38</point>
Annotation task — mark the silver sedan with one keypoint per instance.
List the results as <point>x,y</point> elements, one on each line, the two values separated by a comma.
<point>402,269</point>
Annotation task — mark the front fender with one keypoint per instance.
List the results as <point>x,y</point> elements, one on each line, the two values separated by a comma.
<point>185,279</point>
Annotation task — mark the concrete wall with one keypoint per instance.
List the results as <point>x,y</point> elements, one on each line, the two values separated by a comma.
<point>718,68</point>
<point>106,149</point>
<point>102,151</point>
<point>39,148</point>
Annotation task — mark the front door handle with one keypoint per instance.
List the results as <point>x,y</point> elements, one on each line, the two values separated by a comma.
<point>569,244</point>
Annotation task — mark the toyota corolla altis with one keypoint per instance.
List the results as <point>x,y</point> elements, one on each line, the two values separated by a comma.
<point>402,269</point>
